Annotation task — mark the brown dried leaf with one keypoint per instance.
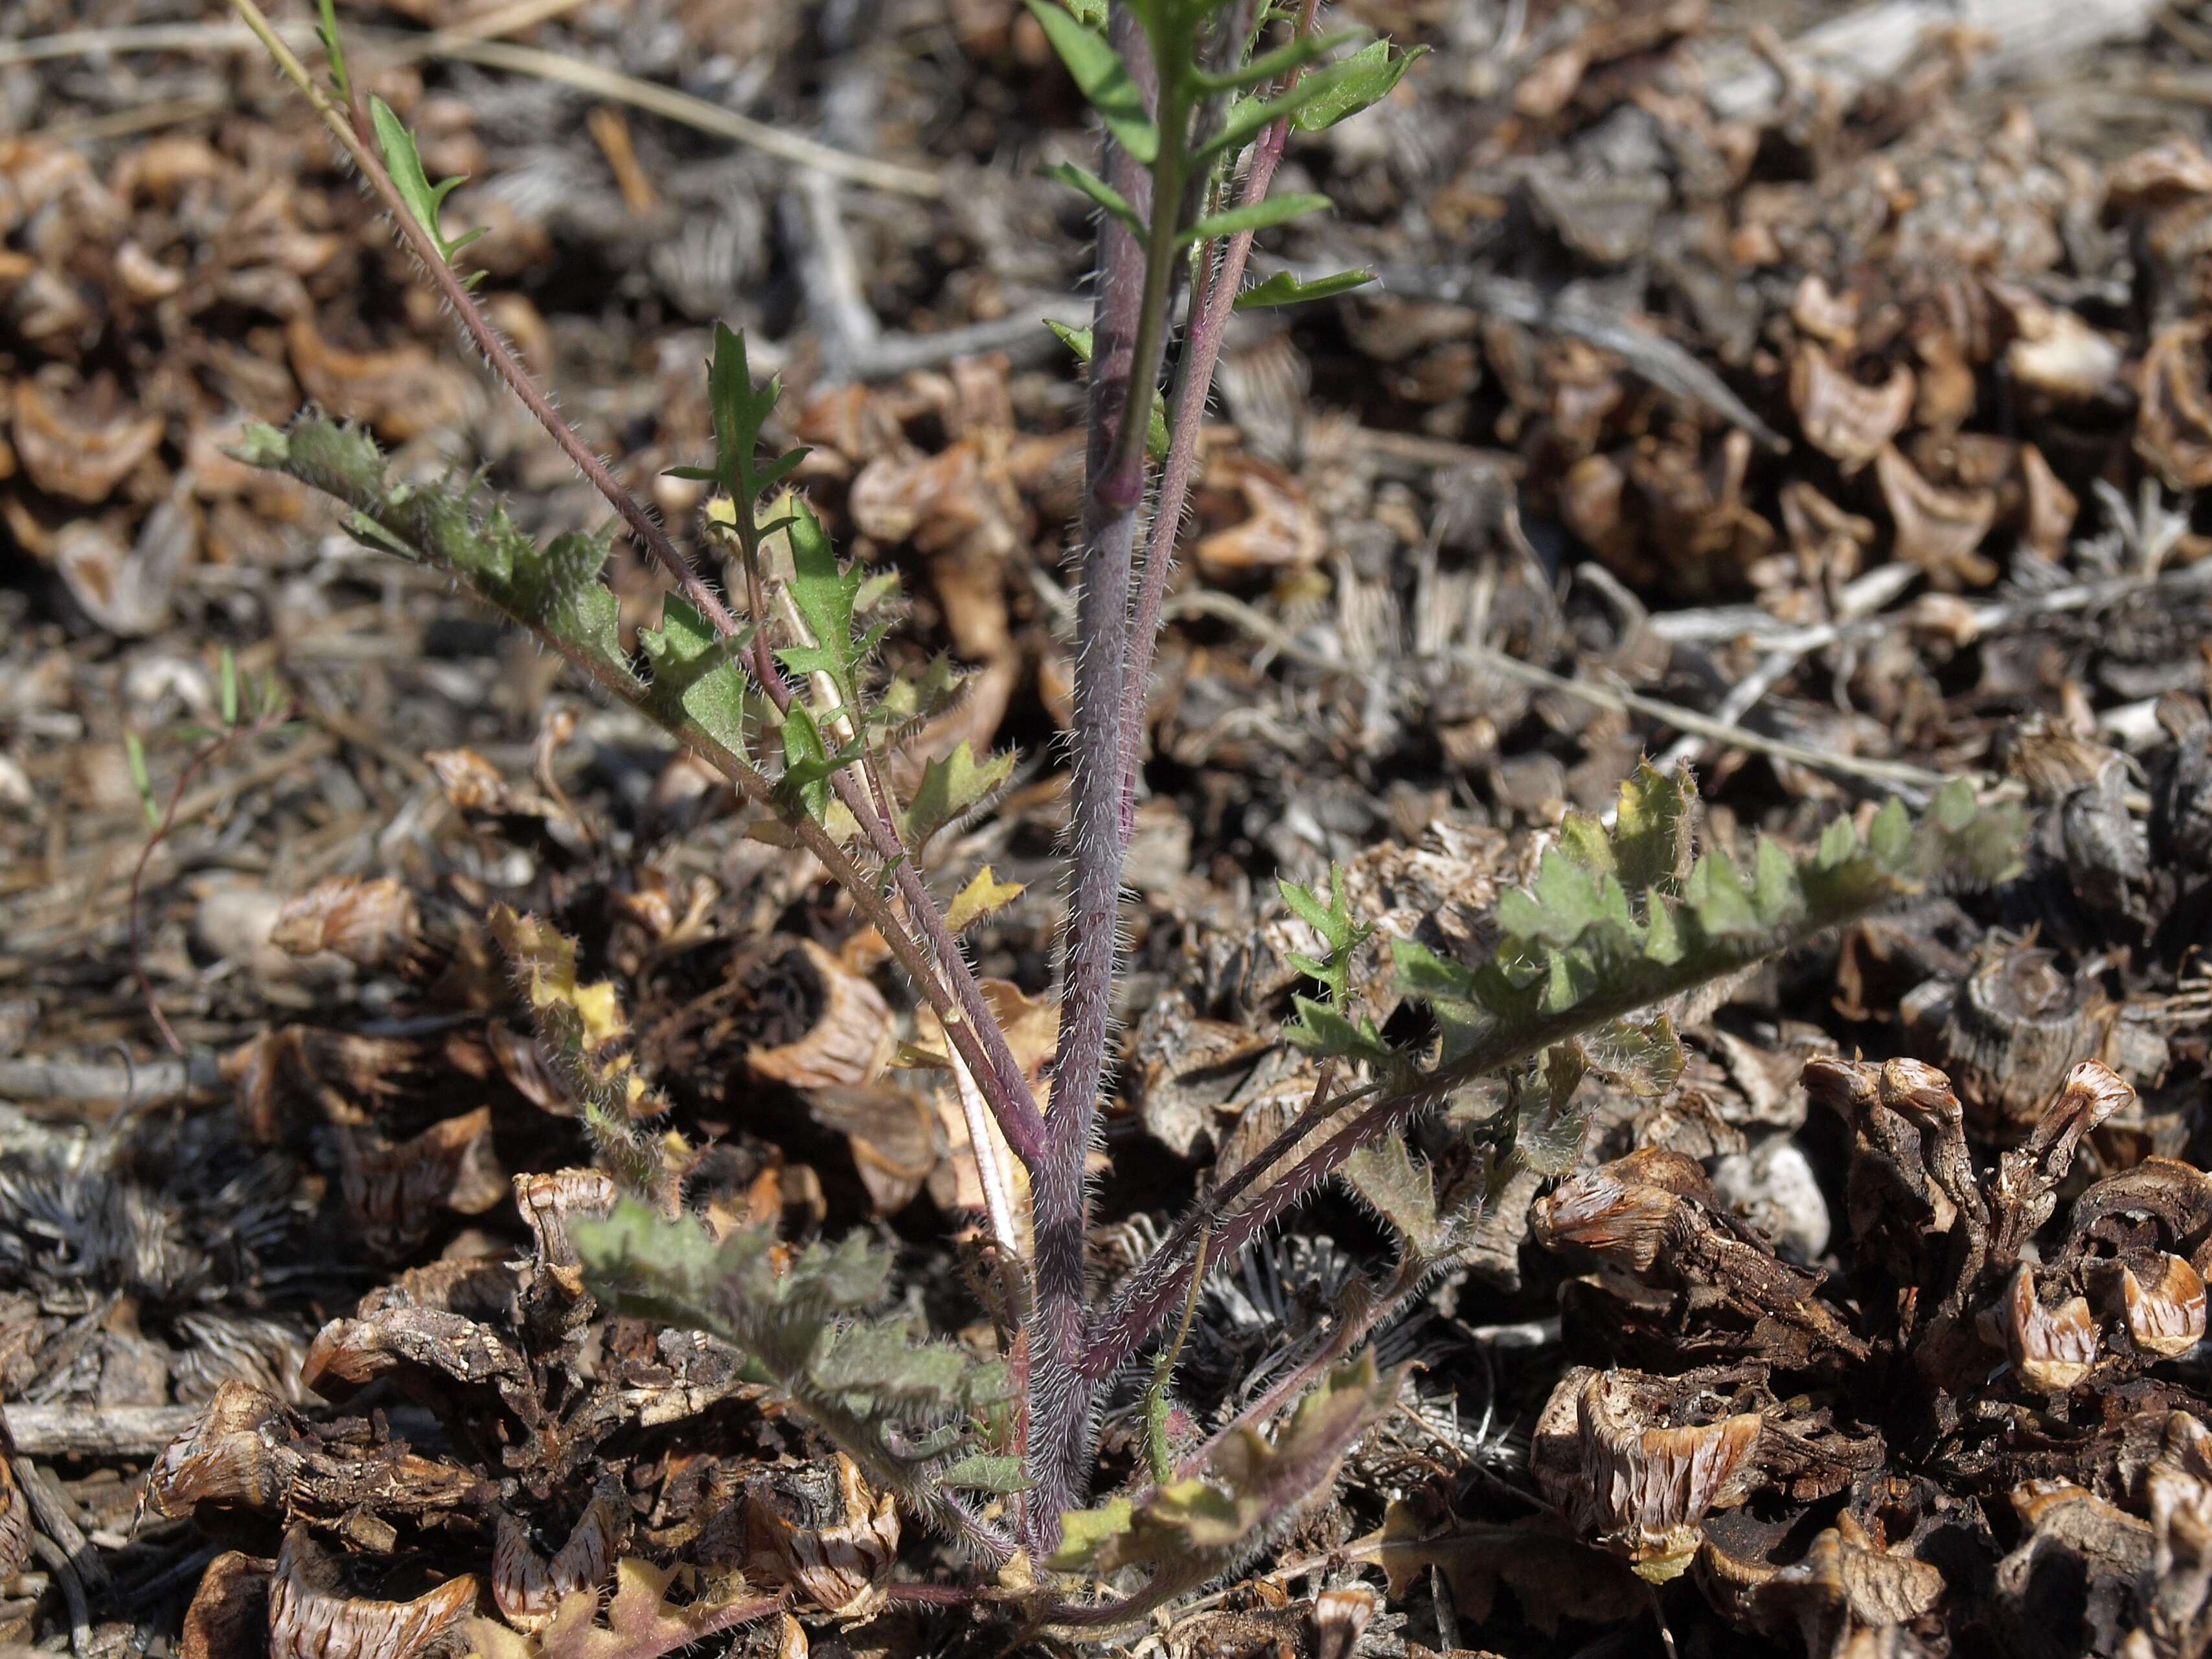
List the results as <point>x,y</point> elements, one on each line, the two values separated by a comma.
<point>2053,1345</point>
<point>1648,1461</point>
<point>311,1616</point>
<point>1938,529</point>
<point>547,1199</point>
<point>1843,416</point>
<point>851,1039</point>
<point>402,393</point>
<point>80,442</point>
<point>1279,531</point>
<point>2173,420</point>
<point>395,1195</point>
<point>371,923</point>
<point>228,1618</point>
<point>528,1589</point>
<point>839,1556</point>
<point>238,1454</point>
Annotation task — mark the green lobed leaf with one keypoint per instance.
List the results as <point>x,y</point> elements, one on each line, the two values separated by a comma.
<point>808,765</point>
<point>824,594</point>
<point>900,1402</point>
<point>1292,54</point>
<point>1102,77</point>
<point>1365,78</point>
<point>697,675</point>
<point>1284,289</point>
<point>951,788</point>
<point>1190,1529</point>
<point>1623,919</point>
<point>425,200</point>
<point>741,410</point>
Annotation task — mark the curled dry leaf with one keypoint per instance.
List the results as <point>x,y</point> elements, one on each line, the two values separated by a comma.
<point>1280,530</point>
<point>238,1454</point>
<point>228,1618</point>
<point>836,1550</point>
<point>1847,1594</point>
<point>2173,419</point>
<point>77,442</point>
<point>850,1041</point>
<point>1938,529</point>
<point>395,1195</point>
<point>2055,351</point>
<point>2054,1344</point>
<point>127,590</point>
<point>311,1615</point>
<point>547,1200</point>
<point>1639,1460</point>
<point>471,784</point>
<point>1843,416</point>
<point>371,923</point>
<point>2164,1306</point>
<point>528,1589</point>
<point>402,393</point>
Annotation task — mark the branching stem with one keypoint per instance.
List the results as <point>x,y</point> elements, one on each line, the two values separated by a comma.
<point>949,983</point>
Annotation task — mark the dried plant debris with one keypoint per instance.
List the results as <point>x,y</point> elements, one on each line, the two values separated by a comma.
<point>1847,406</point>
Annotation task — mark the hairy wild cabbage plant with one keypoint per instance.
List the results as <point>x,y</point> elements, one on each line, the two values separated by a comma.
<point>777,687</point>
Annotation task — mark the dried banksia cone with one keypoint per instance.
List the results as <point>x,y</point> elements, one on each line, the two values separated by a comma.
<point>2053,1347</point>
<point>371,923</point>
<point>528,1589</point>
<point>1645,1486</point>
<point>840,1565</point>
<point>311,1616</point>
<point>2164,1305</point>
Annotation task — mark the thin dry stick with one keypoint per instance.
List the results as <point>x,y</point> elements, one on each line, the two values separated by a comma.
<point>203,756</point>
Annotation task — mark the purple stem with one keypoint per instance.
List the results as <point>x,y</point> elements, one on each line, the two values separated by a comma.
<point>1158,1291</point>
<point>1209,326</point>
<point>1060,1392</point>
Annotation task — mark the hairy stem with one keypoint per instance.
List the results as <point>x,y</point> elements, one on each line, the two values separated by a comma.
<point>1128,332</point>
<point>949,979</point>
<point>1212,303</point>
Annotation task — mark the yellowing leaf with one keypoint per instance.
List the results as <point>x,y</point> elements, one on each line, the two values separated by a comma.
<point>980,898</point>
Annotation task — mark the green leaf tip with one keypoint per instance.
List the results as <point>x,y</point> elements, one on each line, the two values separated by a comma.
<point>1283,289</point>
<point>741,409</point>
